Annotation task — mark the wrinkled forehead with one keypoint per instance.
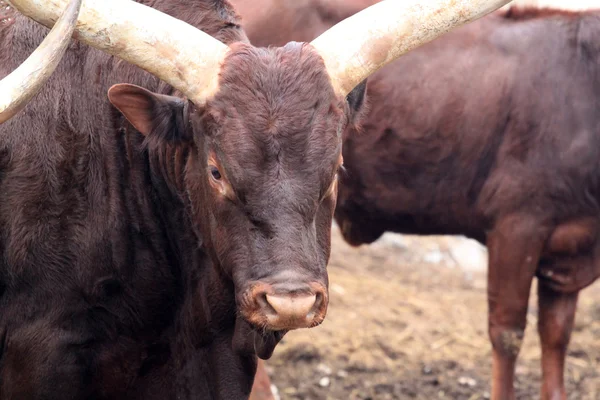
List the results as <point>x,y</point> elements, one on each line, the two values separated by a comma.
<point>276,88</point>
<point>276,110</point>
<point>295,71</point>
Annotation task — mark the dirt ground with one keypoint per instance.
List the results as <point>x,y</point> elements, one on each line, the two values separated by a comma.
<point>407,320</point>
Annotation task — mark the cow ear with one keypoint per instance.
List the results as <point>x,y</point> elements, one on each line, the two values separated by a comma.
<point>156,116</point>
<point>356,98</point>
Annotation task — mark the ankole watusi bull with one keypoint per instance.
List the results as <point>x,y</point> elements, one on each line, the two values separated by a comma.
<point>491,131</point>
<point>153,247</point>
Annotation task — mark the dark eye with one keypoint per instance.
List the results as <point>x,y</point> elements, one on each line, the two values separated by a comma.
<point>215,173</point>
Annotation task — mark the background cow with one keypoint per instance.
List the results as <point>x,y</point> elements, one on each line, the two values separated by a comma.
<point>489,132</point>
<point>492,132</point>
<point>152,248</point>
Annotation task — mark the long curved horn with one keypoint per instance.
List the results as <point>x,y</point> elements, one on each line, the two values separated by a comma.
<point>176,52</point>
<point>17,88</point>
<point>360,45</point>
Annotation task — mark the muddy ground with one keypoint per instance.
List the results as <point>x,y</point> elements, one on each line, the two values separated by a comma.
<point>407,320</point>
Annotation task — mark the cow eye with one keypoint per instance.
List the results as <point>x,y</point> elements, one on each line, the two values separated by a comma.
<point>215,173</point>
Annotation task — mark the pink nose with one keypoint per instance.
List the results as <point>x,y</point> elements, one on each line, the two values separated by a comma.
<point>297,310</point>
<point>281,307</point>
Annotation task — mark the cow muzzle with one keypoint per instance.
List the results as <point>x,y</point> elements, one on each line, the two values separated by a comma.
<point>285,305</point>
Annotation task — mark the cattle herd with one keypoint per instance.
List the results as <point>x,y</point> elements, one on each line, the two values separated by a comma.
<point>170,171</point>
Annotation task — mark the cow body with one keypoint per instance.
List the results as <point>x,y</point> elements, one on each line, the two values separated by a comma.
<point>449,161</point>
<point>119,274</point>
<point>492,132</point>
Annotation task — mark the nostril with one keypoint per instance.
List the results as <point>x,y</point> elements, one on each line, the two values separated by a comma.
<point>263,303</point>
<point>318,301</point>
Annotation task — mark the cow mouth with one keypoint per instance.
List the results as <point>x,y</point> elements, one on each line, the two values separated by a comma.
<point>265,342</point>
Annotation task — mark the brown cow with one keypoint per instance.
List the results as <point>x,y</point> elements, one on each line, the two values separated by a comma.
<point>152,249</point>
<point>492,132</point>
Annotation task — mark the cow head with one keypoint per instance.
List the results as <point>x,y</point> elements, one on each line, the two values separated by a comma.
<point>263,129</point>
<point>261,175</point>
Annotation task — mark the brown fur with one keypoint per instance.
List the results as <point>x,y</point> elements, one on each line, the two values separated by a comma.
<point>120,262</point>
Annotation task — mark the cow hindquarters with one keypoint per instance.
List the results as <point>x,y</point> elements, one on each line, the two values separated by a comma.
<point>514,245</point>
<point>556,319</point>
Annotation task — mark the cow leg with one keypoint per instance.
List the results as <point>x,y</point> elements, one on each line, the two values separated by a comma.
<point>514,246</point>
<point>556,319</point>
<point>261,390</point>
